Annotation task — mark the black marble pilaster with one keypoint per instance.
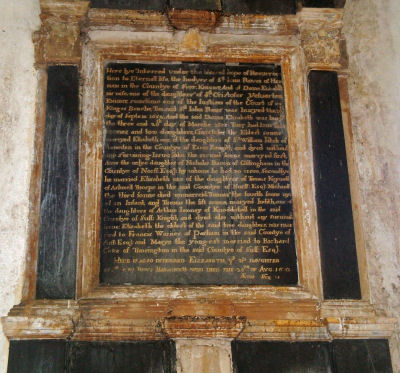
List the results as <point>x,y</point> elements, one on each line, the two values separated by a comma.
<point>339,3</point>
<point>363,356</point>
<point>155,5</point>
<point>121,357</point>
<point>259,6</point>
<point>318,3</point>
<point>37,356</point>
<point>335,216</point>
<point>228,6</point>
<point>324,3</point>
<point>281,357</point>
<point>56,267</point>
<point>195,4</point>
<point>339,356</point>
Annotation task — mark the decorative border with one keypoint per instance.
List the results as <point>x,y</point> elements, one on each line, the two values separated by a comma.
<point>103,46</point>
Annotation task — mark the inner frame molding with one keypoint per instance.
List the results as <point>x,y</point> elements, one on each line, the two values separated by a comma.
<point>72,33</point>
<point>91,171</point>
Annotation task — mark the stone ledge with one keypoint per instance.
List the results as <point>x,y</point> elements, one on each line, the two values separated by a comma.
<point>126,320</point>
<point>360,328</point>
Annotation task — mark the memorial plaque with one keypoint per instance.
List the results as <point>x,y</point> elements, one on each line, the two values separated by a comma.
<point>196,180</point>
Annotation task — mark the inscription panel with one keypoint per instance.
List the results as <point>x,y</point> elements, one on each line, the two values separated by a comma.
<point>196,179</point>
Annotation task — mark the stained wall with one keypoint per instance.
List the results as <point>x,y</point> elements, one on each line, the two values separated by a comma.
<point>18,19</point>
<point>372,30</point>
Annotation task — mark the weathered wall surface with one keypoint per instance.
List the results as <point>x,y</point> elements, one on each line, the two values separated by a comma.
<point>372,30</point>
<point>206,356</point>
<point>17,93</point>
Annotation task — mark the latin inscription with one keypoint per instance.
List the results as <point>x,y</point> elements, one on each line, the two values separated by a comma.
<point>196,179</point>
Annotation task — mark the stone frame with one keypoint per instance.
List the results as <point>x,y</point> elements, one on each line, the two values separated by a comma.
<point>72,33</point>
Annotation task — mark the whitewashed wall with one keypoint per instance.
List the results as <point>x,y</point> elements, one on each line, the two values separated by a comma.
<point>372,30</point>
<point>18,19</point>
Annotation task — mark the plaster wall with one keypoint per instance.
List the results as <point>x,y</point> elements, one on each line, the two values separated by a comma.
<point>372,31</point>
<point>18,19</point>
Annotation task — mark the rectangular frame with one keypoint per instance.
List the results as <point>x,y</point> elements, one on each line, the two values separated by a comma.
<point>99,51</point>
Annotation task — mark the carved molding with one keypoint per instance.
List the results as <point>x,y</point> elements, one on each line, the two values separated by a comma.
<point>58,40</point>
<point>193,41</point>
<point>64,9</point>
<point>64,22</point>
<point>122,319</point>
<point>360,328</point>
<point>320,35</point>
<point>126,20</point>
<point>206,327</point>
<point>41,320</point>
<point>187,19</point>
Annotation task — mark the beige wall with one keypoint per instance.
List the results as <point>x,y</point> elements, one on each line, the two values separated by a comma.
<point>373,36</point>
<point>372,30</point>
<point>17,91</point>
